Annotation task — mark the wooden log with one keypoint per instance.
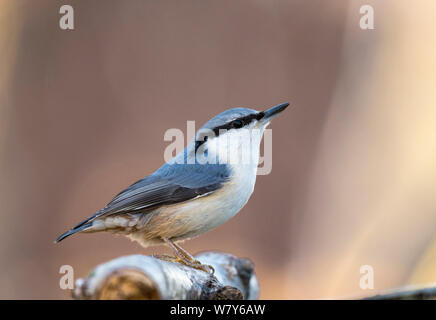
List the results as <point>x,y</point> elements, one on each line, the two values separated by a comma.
<point>146,277</point>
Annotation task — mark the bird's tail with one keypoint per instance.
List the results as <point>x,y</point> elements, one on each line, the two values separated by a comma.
<point>73,231</point>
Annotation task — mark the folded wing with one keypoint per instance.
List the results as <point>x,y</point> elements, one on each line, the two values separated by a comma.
<point>172,183</point>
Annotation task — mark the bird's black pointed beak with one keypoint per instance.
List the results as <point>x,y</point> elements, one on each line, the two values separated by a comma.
<point>269,114</point>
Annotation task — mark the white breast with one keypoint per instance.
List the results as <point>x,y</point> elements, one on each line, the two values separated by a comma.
<point>208,212</point>
<point>205,213</point>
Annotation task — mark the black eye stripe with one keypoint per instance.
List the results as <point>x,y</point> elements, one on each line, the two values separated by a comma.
<point>245,121</point>
<point>231,125</point>
<point>237,124</point>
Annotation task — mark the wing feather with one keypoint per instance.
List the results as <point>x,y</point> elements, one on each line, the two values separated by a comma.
<point>172,183</point>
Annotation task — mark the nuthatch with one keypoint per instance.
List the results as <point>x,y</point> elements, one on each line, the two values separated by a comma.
<point>198,190</point>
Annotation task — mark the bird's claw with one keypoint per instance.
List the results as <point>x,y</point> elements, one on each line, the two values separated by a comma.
<point>205,267</point>
<point>195,264</point>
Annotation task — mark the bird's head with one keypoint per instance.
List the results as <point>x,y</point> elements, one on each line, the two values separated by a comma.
<point>234,133</point>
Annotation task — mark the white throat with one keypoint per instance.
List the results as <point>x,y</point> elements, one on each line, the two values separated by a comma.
<point>239,148</point>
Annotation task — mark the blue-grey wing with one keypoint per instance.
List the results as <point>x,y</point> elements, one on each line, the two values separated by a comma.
<point>172,183</point>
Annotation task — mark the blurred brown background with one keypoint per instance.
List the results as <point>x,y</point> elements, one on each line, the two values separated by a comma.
<point>83,114</point>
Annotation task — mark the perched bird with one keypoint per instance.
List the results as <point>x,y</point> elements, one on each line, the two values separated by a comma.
<point>199,189</point>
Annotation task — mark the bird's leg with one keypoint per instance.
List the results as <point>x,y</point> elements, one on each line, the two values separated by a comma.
<point>170,258</point>
<point>187,259</point>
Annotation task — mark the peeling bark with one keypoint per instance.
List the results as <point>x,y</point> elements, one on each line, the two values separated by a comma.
<point>146,278</point>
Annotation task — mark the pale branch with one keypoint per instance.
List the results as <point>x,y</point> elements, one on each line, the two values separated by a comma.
<point>147,277</point>
<point>407,293</point>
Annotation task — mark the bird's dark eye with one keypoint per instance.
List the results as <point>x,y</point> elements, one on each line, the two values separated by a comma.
<point>237,124</point>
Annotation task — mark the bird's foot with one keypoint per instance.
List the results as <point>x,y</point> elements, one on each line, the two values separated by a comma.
<point>187,259</point>
<point>199,266</point>
<point>195,264</point>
